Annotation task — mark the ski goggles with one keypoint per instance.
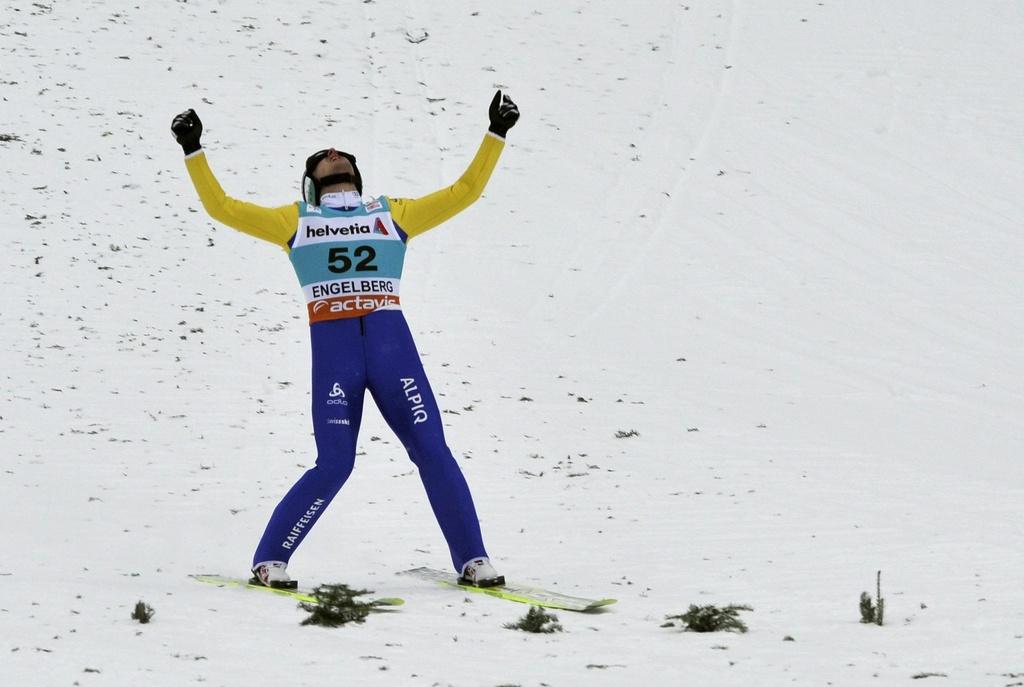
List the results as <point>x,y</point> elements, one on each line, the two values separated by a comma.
<point>313,160</point>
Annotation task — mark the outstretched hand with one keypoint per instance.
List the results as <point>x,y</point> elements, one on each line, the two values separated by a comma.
<point>503,113</point>
<point>187,129</point>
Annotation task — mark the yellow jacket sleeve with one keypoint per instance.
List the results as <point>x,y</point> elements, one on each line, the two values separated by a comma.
<point>276,225</point>
<point>416,216</point>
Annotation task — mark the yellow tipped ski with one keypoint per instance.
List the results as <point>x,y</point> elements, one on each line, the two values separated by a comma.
<point>297,594</point>
<point>514,592</point>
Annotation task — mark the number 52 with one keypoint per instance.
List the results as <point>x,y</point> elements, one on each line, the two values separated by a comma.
<point>339,262</point>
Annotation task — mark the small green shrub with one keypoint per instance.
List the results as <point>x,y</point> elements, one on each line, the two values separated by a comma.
<point>710,618</point>
<point>143,612</point>
<point>873,612</point>
<point>336,605</point>
<point>536,620</point>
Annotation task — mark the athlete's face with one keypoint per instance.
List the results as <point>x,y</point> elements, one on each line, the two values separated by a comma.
<point>332,162</point>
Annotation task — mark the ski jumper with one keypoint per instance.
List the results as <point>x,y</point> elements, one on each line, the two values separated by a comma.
<point>349,263</point>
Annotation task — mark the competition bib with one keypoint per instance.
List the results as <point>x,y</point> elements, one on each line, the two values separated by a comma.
<point>349,262</point>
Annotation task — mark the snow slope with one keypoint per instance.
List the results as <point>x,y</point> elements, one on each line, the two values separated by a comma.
<point>780,241</point>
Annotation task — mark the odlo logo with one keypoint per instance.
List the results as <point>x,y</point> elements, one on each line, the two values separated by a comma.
<point>336,397</point>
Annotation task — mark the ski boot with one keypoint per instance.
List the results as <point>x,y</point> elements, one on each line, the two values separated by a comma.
<point>272,574</point>
<point>479,572</point>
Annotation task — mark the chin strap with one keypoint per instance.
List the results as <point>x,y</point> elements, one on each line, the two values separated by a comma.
<point>331,179</point>
<point>312,188</point>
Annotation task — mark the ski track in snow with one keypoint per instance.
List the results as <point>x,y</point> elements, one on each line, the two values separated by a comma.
<point>781,242</point>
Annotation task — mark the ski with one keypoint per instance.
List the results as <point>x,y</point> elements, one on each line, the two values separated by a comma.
<point>297,594</point>
<point>513,592</point>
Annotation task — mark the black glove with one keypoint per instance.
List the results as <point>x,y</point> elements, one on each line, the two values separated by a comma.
<point>504,114</point>
<point>187,129</point>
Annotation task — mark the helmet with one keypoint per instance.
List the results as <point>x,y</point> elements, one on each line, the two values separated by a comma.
<point>311,186</point>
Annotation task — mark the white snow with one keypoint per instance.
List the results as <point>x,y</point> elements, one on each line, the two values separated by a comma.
<point>781,241</point>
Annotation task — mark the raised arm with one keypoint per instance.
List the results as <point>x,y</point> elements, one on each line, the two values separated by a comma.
<point>276,225</point>
<point>418,215</point>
